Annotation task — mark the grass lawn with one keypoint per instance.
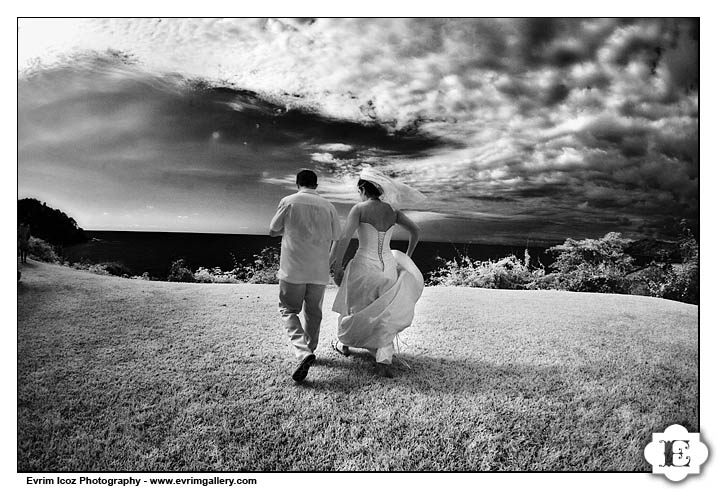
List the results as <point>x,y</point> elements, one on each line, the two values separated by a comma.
<point>131,375</point>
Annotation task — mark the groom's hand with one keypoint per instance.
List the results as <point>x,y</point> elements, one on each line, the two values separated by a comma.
<point>338,276</point>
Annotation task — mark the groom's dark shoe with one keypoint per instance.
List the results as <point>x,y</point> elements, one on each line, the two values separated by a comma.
<point>384,370</point>
<point>301,372</point>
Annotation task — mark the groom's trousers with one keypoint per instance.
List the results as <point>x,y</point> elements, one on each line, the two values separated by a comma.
<point>292,298</point>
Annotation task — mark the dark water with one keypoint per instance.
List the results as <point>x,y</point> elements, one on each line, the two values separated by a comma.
<point>154,252</point>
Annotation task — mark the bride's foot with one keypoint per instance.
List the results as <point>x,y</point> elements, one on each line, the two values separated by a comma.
<point>339,347</point>
<point>384,370</point>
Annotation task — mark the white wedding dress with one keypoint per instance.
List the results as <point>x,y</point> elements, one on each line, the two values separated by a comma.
<point>378,293</point>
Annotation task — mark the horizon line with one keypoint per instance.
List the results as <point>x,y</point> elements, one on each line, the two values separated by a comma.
<point>537,242</point>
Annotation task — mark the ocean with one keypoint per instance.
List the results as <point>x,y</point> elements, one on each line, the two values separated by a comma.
<point>154,252</point>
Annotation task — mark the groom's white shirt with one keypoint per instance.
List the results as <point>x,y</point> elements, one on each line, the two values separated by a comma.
<point>309,224</point>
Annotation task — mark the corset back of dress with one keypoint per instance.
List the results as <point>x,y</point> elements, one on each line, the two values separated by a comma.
<point>374,244</point>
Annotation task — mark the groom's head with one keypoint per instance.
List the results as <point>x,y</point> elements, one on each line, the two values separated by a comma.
<point>306,179</point>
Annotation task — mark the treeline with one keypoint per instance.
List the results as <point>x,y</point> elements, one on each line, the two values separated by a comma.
<point>49,224</point>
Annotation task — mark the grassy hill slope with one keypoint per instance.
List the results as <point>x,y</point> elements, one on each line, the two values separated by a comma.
<point>130,375</point>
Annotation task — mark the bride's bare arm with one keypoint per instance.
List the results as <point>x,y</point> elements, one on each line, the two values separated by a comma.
<point>413,229</point>
<point>339,248</point>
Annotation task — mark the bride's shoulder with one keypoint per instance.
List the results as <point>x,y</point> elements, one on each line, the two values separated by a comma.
<point>357,210</point>
<point>390,210</point>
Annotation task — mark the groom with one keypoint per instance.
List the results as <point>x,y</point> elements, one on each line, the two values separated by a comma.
<point>309,224</point>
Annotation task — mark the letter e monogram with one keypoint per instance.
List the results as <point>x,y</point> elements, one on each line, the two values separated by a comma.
<point>673,448</point>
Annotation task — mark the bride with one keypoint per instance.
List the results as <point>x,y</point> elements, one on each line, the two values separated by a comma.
<point>380,287</point>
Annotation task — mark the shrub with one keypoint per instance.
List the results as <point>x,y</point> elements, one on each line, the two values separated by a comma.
<point>648,281</point>
<point>98,269</point>
<point>203,275</point>
<point>83,264</point>
<point>215,275</point>
<point>507,273</point>
<point>593,265</point>
<point>601,278</point>
<point>107,269</point>
<point>116,269</point>
<point>42,251</point>
<point>681,281</point>
<point>180,272</point>
<point>544,281</point>
<point>264,268</point>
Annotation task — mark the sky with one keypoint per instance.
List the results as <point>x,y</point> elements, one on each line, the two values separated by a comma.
<point>515,129</point>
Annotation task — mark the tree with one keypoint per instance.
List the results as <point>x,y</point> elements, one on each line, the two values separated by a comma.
<point>49,224</point>
<point>180,272</point>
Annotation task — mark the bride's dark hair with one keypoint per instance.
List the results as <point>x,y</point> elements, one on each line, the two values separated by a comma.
<point>369,188</point>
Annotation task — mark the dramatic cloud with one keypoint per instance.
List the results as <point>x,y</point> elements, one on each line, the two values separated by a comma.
<point>570,126</point>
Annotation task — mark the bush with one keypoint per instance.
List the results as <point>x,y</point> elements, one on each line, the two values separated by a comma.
<point>116,269</point>
<point>98,269</point>
<point>180,272</point>
<point>106,269</point>
<point>216,275</point>
<point>42,251</point>
<point>264,268</point>
<point>545,281</point>
<point>589,265</point>
<point>507,273</point>
<point>648,280</point>
<point>681,281</point>
<point>602,278</point>
<point>593,265</point>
